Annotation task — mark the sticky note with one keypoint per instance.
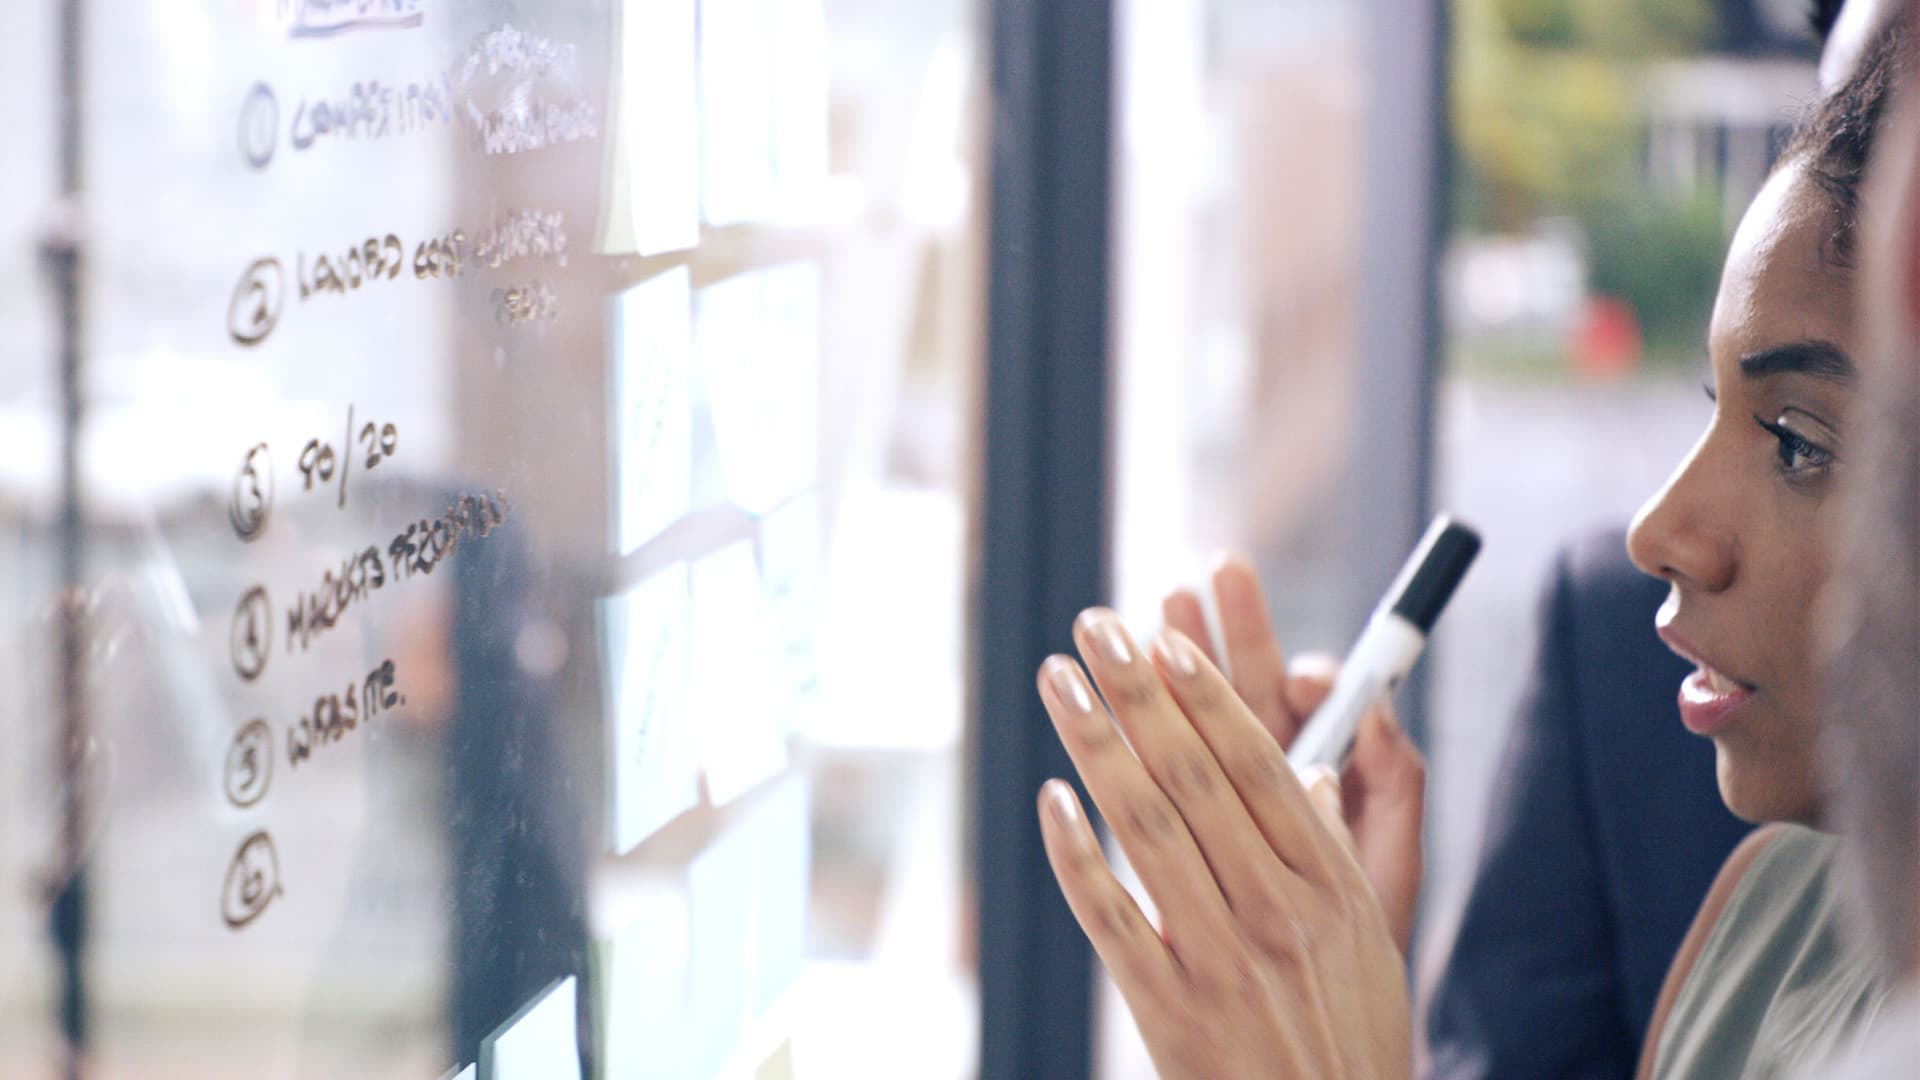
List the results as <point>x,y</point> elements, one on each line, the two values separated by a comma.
<point>747,897</point>
<point>792,586</point>
<point>645,988</point>
<point>778,835</point>
<point>659,123</point>
<point>758,340</point>
<point>742,740</point>
<point>652,757</point>
<point>778,1064</point>
<point>652,472</point>
<point>800,94</point>
<point>539,1042</point>
<point>720,884</point>
<point>736,111</point>
<point>793,327</point>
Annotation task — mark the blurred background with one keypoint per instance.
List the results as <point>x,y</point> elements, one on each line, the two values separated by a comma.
<point>738,398</point>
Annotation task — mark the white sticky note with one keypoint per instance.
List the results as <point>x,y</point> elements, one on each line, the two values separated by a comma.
<point>747,895</point>
<point>800,95</point>
<point>659,116</point>
<point>736,111</point>
<point>791,370</point>
<point>540,1042</point>
<point>720,894</point>
<point>780,839</point>
<point>758,339</point>
<point>742,741</point>
<point>647,1033</point>
<point>792,586</point>
<point>652,473</point>
<point>652,757</point>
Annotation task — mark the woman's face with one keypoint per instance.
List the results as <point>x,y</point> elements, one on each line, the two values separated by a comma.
<point>1739,530</point>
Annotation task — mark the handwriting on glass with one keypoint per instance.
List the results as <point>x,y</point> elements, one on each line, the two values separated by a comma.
<point>442,256</point>
<point>249,769</point>
<point>416,550</point>
<point>252,497</point>
<point>317,463</point>
<point>524,304</point>
<point>369,110</point>
<point>259,296</point>
<point>509,109</point>
<point>524,234</point>
<point>325,18</point>
<point>378,257</point>
<point>516,91</point>
<point>257,299</point>
<point>374,110</point>
<point>259,125</point>
<point>522,126</point>
<point>335,716</point>
<point>253,881</point>
<point>253,876</point>
<point>251,637</point>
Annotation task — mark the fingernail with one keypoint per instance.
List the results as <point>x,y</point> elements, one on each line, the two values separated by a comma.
<point>1068,686</point>
<point>1178,652</point>
<point>1323,787</point>
<point>1109,637</point>
<point>1059,803</point>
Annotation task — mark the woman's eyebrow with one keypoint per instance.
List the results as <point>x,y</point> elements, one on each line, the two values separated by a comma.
<point>1819,359</point>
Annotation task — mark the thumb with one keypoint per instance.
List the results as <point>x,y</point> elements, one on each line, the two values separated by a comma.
<point>1385,790</point>
<point>1385,763</point>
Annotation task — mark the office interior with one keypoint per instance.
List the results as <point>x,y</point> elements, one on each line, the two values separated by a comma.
<point>528,529</point>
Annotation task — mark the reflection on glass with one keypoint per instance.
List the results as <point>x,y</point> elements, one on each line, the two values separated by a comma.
<point>473,398</point>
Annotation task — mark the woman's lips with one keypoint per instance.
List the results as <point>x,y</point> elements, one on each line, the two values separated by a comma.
<point>1710,700</point>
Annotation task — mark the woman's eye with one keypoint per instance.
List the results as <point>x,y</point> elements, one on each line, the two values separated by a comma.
<point>1798,455</point>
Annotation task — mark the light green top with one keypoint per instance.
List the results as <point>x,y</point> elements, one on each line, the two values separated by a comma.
<point>1778,982</point>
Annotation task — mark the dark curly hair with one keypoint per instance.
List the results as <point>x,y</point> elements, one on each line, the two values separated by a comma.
<point>1838,138</point>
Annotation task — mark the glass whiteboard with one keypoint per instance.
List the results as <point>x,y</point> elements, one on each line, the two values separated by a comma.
<point>470,404</point>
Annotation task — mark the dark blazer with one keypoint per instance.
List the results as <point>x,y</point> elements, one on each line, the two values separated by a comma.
<point>1605,831</point>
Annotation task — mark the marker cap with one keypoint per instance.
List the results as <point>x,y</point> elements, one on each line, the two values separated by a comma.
<point>1433,571</point>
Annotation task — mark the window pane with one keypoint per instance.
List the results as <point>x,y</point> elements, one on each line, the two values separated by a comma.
<point>502,430</point>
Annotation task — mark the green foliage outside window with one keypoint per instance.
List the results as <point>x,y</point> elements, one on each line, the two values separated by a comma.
<point>1548,120</point>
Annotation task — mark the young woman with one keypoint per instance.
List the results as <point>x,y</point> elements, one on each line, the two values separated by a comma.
<point>1273,956</point>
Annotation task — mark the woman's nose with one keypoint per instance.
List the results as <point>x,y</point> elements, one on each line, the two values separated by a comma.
<point>1679,536</point>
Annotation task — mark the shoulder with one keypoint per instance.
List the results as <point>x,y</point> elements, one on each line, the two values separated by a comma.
<point>1725,886</point>
<point>1732,873</point>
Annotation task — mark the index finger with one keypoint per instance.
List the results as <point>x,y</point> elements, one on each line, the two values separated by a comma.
<point>1252,761</point>
<point>1146,823</point>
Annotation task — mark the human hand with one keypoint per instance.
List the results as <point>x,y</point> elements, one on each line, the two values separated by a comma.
<point>1379,802</point>
<point>1272,957</point>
